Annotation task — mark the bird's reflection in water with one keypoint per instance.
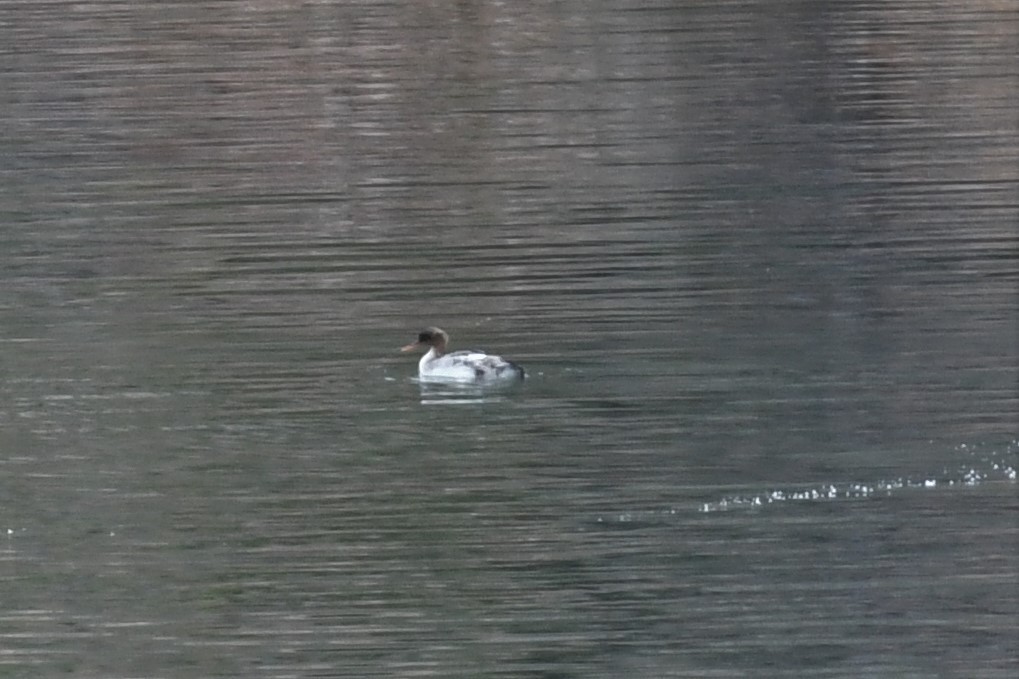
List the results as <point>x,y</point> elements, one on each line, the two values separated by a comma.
<point>459,393</point>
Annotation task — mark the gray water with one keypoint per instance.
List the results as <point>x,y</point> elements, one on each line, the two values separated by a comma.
<point>760,261</point>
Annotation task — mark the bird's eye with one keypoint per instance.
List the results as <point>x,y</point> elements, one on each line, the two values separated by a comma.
<point>425,337</point>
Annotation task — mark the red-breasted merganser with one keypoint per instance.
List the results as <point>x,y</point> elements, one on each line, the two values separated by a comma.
<point>459,366</point>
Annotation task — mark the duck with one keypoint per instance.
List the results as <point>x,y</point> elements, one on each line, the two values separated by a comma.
<point>474,367</point>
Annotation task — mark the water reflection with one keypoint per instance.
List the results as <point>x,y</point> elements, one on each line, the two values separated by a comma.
<point>454,393</point>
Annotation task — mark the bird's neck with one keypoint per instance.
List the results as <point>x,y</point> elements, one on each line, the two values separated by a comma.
<point>432,354</point>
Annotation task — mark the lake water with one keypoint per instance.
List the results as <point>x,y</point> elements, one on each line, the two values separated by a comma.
<point>760,261</point>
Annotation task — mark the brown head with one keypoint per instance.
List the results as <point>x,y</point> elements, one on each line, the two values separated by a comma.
<point>428,338</point>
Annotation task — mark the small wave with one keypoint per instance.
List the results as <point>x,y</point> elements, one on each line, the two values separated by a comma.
<point>994,466</point>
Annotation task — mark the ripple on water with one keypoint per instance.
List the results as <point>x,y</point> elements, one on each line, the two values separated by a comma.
<point>978,469</point>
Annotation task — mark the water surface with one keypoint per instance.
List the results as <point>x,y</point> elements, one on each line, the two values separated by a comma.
<point>760,262</point>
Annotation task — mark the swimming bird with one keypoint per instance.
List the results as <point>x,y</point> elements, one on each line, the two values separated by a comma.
<point>459,366</point>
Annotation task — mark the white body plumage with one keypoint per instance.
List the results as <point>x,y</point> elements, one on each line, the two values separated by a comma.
<point>460,366</point>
